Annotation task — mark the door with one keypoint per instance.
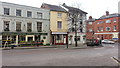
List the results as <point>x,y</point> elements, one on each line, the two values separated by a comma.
<point>52,39</point>
<point>64,39</point>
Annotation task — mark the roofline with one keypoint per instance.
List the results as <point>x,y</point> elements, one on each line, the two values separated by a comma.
<point>107,18</point>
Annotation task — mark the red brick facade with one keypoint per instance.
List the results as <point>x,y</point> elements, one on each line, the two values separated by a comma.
<point>106,27</point>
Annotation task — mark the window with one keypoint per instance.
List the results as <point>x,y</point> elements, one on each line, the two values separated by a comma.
<point>108,21</point>
<point>89,22</point>
<point>100,28</point>
<point>39,26</point>
<point>6,11</point>
<point>100,22</point>
<point>81,22</point>
<point>18,26</point>
<point>59,15</point>
<point>18,12</point>
<point>77,38</point>
<point>39,15</point>
<point>81,30</point>
<point>90,30</point>
<point>6,25</point>
<point>73,29</point>
<point>115,28</point>
<point>107,28</point>
<point>59,24</point>
<point>114,20</point>
<point>29,14</point>
<point>29,27</point>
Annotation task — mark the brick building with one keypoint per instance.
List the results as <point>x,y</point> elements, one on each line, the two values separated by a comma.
<point>106,27</point>
<point>90,28</point>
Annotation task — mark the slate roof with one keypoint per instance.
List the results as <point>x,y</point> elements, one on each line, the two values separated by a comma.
<point>55,8</point>
<point>110,16</point>
<point>74,9</point>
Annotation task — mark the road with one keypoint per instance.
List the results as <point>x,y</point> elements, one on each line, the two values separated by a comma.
<point>91,56</point>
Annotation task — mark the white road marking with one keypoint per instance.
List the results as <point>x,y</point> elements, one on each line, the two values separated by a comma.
<point>116,60</point>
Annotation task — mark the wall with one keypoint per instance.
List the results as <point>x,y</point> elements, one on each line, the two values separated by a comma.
<point>54,19</point>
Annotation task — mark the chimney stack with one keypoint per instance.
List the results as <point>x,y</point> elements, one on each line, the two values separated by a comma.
<point>90,17</point>
<point>107,13</point>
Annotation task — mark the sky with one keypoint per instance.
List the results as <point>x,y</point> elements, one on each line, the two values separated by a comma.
<point>94,8</point>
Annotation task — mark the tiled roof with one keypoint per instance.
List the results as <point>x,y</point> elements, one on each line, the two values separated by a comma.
<point>74,9</point>
<point>55,8</point>
<point>110,16</point>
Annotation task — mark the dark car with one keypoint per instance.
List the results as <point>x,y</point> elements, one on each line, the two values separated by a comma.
<point>92,42</point>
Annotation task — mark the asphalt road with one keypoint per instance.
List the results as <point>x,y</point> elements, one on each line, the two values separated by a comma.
<point>92,56</point>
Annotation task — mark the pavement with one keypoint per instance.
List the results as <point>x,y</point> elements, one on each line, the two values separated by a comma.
<point>53,46</point>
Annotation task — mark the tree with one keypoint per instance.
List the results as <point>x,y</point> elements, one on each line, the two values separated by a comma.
<point>75,19</point>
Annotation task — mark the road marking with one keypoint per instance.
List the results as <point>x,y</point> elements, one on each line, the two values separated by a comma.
<point>116,60</point>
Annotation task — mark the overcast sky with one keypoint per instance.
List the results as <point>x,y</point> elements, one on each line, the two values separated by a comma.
<point>95,8</point>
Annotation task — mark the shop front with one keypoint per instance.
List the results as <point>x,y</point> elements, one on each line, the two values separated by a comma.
<point>59,38</point>
<point>15,37</point>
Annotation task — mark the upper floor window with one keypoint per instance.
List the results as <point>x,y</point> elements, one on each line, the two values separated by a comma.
<point>18,26</point>
<point>89,22</point>
<point>6,25</point>
<point>100,28</point>
<point>59,24</point>
<point>108,21</point>
<point>115,28</point>
<point>18,12</point>
<point>81,30</point>
<point>59,15</point>
<point>29,27</point>
<point>114,20</point>
<point>39,15</point>
<point>81,22</point>
<point>39,26</point>
<point>107,28</point>
<point>99,22</point>
<point>29,14</point>
<point>6,11</point>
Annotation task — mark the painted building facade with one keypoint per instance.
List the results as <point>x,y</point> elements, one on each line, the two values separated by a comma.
<point>80,22</point>
<point>58,24</point>
<point>23,23</point>
<point>106,27</point>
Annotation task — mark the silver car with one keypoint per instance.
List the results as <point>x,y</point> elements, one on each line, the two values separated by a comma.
<point>108,41</point>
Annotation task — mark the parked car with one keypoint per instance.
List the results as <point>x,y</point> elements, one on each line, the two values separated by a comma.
<point>108,41</point>
<point>92,42</point>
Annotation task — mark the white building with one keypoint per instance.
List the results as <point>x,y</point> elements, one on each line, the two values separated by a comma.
<point>80,24</point>
<point>23,23</point>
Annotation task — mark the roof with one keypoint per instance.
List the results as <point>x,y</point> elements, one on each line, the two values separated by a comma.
<point>110,16</point>
<point>74,9</point>
<point>55,8</point>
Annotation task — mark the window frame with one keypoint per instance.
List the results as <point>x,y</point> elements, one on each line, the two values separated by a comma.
<point>7,11</point>
<point>29,13</point>
<point>18,12</point>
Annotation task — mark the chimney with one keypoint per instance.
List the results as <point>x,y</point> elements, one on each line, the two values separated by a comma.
<point>64,4</point>
<point>90,17</point>
<point>107,13</point>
